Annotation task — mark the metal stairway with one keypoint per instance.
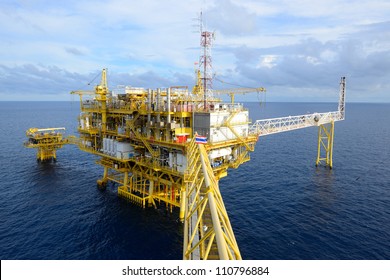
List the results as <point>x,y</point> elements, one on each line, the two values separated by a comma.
<point>208,234</point>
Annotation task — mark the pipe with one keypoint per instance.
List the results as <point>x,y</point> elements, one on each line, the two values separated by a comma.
<point>126,179</point>
<point>151,186</point>
<point>169,104</point>
<point>158,104</point>
<point>149,112</point>
<point>183,204</point>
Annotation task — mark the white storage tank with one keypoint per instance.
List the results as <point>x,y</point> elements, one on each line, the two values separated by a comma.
<point>114,143</point>
<point>110,144</point>
<point>220,153</point>
<point>87,123</point>
<point>104,145</point>
<point>181,162</point>
<point>170,160</point>
<point>124,150</point>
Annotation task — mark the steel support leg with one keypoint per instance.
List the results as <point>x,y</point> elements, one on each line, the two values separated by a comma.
<point>151,187</point>
<point>325,144</point>
<point>183,204</point>
<point>102,183</point>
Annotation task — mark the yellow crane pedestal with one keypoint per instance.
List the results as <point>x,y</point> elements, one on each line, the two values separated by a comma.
<point>46,140</point>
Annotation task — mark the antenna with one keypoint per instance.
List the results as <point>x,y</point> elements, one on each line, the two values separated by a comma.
<point>206,42</point>
<point>197,23</point>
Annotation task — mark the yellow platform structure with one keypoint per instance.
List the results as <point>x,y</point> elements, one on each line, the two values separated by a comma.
<point>166,147</point>
<point>169,147</point>
<point>47,141</point>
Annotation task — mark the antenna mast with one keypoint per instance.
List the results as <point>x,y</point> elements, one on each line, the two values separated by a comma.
<point>206,42</point>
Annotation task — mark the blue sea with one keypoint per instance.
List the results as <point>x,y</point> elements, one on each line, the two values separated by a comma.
<point>280,205</point>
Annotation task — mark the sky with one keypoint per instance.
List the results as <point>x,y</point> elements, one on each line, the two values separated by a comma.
<point>297,50</point>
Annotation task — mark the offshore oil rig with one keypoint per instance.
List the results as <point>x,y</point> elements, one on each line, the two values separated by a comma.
<point>170,146</point>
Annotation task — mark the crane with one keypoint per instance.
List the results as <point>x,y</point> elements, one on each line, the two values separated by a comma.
<point>198,88</point>
<point>232,91</point>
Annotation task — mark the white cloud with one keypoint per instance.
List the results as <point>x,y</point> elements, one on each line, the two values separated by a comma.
<point>39,81</point>
<point>328,55</point>
<point>230,18</point>
<point>282,44</point>
<point>315,65</point>
<point>267,61</point>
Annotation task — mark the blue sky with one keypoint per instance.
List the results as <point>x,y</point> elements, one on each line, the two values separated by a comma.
<point>297,49</point>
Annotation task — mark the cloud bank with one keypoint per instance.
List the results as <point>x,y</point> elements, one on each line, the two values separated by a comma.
<point>297,50</point>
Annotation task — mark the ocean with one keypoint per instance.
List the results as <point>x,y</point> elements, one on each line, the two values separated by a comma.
<point>280,205</point>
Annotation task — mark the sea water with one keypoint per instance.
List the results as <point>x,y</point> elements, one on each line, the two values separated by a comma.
<point>280,205</point>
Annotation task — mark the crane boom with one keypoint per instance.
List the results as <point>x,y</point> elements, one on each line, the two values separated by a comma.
<point>233,91</point>
<point>238,90</point>
<point>83,92</point>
